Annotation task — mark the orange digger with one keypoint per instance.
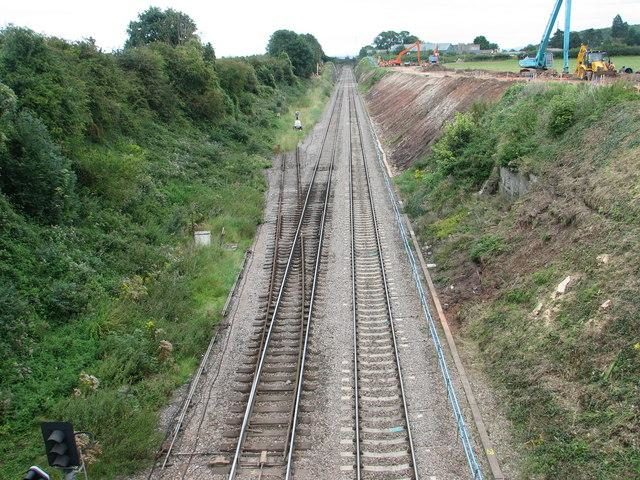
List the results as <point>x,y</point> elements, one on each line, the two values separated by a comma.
<point>398,60</point>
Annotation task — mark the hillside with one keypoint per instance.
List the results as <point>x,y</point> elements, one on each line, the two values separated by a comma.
<point>108,161</point>
<point>539,272</point>
<point>410,112</point>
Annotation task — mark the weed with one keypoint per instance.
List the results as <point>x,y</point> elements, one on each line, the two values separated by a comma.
<point>447,226</point>
<point>486,247</point>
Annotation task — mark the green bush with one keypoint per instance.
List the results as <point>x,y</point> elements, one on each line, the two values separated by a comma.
<point>41,74</point>
<point>562,115</point>
<point>486,247</point>
<point>35,176</point>
<point>108,91</point>
<point>8,100</point>
<point>16,323</point>
<point>236,77</point>
<point>517,134</point>
<point>152,87</point>
<point>273,70</point>
<point>195,80</point>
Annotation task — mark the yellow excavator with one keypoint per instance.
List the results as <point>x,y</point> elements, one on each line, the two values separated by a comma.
<point>592,63</point>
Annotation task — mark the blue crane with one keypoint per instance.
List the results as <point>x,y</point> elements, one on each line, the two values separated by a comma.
<point>544,59</point>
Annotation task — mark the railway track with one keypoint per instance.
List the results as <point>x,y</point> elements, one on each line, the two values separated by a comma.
<point>286,216</point>
<point>383,441</point>
<point>272,378</point>
<point>266,423</point>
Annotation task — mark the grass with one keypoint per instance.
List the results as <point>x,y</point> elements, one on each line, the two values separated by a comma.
<point>310,107</point>
<point>368,74</point>
<point>571,371</point>
<point>512,64</point>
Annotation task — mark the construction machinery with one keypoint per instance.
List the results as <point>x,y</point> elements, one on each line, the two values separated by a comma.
<point>594,64</point>
<point>543,59</point>
<point>434,58</point>
<point>398,60</point>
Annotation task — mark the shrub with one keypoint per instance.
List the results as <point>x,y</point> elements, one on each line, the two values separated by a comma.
<point>517,131</point>
<point>15,319</point>
<point>41,74</point>
<point>153,88</point>
<point>109,91</point>
<point>8,99</point>
<point>35,175</point>
<point>236,77</point>
<point>563,113</point>
<point>195,81</point>
<point>461,151</point>
<point>486,247</point>
<point>272,70</point>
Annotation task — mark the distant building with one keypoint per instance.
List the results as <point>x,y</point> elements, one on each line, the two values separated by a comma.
<point>467,48</point>
<point>424,46</point>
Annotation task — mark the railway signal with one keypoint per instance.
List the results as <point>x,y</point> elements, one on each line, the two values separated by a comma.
<point>35,473</point>
<point>60,445</point>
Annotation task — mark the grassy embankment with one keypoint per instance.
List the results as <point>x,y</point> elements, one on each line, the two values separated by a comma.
<point>568,365</point>
<point>108,162</point>
<point>511,65</point>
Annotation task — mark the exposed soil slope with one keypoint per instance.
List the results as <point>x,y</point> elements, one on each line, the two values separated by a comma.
<point>409,110</point>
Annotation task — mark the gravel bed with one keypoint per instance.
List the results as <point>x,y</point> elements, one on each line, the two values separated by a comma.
<point>328,403</point>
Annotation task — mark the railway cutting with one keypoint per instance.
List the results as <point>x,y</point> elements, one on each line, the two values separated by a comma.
<point>327,286</point>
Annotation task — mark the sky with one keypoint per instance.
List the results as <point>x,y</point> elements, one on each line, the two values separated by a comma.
<point>238,28</point>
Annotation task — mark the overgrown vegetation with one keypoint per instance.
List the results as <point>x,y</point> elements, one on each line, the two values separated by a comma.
<point>568,364</point>
<point>108,161</point>
<point>303,50</point>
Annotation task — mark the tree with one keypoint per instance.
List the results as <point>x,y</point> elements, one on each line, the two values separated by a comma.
<point>484,43</point>
<point>35,70</point>
<point>619,28</point>
<point>557,39</point>
<point>208,53</point>
<point>406,38</point>
<point>386,40</point>
<point>592,37</point>
<point>155,25</point>
<point>296,47</point>
<point>364,51</point>
<point>575,40</point>
<point>318,53</point>
<point>632,37</point>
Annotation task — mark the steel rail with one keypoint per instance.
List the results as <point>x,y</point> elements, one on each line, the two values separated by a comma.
<point>463,432</point>
<point>302,348</point>
<point>314,286</point>
<point>278,232</point>
<point>276,249</point>
<point>353,309</point>
<point>254,385</point>
<point>386,292</point>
